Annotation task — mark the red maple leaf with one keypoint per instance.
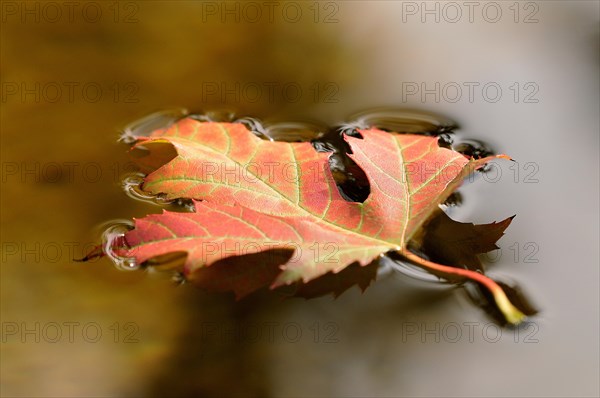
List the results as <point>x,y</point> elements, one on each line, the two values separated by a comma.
<point>270,214</point>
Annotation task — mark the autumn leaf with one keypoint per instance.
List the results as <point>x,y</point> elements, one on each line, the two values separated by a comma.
<point>287,197</point>
<point>458,244</point>
<point>270,213</point>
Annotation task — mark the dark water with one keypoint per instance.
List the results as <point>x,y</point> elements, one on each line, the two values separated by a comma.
<point>403,336</point>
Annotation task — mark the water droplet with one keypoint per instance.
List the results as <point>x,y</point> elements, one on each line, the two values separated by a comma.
<point>113,238</point>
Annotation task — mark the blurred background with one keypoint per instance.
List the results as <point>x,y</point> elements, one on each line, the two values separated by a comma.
<point>520,76</point>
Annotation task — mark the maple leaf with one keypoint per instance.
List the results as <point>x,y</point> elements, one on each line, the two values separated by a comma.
<point>458,244</point>
<point>270,214</point>
<point>295,201</point>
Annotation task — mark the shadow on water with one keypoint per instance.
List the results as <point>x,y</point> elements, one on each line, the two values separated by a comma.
<point>213,356</point>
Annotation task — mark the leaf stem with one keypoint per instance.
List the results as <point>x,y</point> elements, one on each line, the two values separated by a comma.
<point>509,311</point>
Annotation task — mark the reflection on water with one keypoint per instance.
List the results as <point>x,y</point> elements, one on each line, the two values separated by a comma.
<point>148,124</point>
<point>403,121</point>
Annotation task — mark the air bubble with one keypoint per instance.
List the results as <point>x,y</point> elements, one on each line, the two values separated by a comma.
<point>113,238</point>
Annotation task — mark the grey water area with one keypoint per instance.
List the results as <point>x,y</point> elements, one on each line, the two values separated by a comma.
<point>446,347</point>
